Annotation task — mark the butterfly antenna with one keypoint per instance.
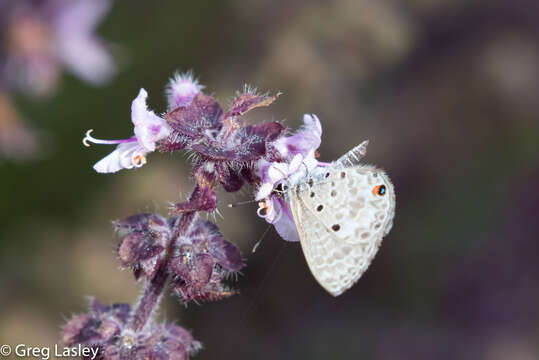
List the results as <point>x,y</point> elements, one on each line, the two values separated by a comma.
<point>257,244</point>
<point>241,203</point>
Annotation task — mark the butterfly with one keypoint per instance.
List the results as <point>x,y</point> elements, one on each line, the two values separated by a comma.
<point>341,212</point>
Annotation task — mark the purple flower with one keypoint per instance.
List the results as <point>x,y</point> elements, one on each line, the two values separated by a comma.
<point>105,329</point>
<point>201,260</point>
<point>299,157</point>
<point>162,342</point>
<point>306,140</point>
<point>101,325</point>
<point>218,136</point>
<point>145,240</point>
<point>181,90</point>
<point>272,174</point>
<point>43,36</point>
<point>130,153</point>
<point>276,211</point>
<point>224,149</point>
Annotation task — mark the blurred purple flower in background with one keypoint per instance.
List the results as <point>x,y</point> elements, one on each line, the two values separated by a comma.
<point>43,37</point>
<point>40,39</point>
<point>17,141</point>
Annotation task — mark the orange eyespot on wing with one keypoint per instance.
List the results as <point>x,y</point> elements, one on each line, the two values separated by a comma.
<point>379,190</point>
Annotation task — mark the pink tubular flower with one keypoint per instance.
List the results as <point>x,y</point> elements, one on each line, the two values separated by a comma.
<point>276,211</point>
<point>275,172</point>
<point>130,153</point>
<point>305,140</point>
<point>299,154</point>
<point>181,90</point>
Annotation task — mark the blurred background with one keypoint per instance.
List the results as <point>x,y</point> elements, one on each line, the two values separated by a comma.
<point>446,92</point>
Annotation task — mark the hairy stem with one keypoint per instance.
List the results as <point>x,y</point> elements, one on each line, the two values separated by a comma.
<point>153,290</point>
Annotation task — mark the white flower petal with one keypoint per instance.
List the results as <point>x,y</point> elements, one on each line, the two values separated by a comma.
<point>295,164</point>
<point>264,191</point>
<point>310,161</point>
<point>312,123</point>
<point>277,172</point>
<point>307,138</point>
<point>285,226</point>
<point>121,158</point>
<point>109,164</point>
<point>149,128</point>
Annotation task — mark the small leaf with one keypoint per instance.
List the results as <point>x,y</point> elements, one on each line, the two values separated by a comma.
<point>204,113</point>
<point>248,101</point>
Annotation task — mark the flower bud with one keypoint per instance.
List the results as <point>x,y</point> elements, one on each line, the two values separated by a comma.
<point>143,247</point>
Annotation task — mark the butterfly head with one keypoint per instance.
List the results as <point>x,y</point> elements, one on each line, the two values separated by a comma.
<point>281,188</point>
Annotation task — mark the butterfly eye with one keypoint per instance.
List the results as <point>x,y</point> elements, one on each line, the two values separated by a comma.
<point>379,190</point>
<point>281,188</point>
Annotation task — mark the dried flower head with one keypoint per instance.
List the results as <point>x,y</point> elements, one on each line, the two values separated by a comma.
<point>201,258</point>
<point>106,328</point>
<point>201,261</point>
<point>143,247</point>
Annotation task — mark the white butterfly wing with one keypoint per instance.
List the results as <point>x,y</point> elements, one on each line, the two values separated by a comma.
<point>341,220</point>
